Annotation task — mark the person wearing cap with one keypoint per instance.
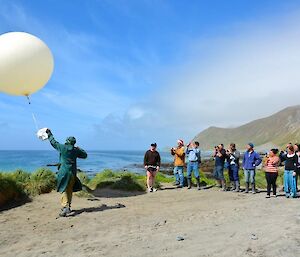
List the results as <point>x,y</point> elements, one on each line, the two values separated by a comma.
<point>67,181</point>
<point>179,160</point>
<point>194,158</point>
<point>220,157</point>
<point>152,165</point>
<point>251,160</point>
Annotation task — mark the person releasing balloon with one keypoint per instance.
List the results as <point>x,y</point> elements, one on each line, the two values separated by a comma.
<point>67,181</point>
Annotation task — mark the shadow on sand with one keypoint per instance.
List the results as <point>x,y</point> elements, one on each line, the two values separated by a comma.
<point>15,204</point>
<point>193,187</point>
<point>100,208</point>
<point>113,193</point>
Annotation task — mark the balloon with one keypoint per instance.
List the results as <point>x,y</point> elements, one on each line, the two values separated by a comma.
<point>26,63</point>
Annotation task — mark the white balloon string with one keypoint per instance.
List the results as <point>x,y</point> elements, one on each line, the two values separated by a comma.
<point>35,122</point>
<point>33,116</point>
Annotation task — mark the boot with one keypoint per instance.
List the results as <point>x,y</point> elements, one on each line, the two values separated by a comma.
<point>233,186</point>
<point>237,186</point>
<point>247,188</point>
<point>253,188</point>
<point>189,180</point>
<point>223,183</point>
<point>198,183</point>
<point>65,211</point>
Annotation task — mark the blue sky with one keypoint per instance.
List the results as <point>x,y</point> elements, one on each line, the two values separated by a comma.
<point>128,73</point>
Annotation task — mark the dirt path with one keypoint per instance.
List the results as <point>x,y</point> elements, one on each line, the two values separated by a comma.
<point>212,223</point>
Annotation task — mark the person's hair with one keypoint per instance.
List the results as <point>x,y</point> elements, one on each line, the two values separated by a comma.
<point>291,148</point>
<point>232,145</point>
<point>196,143</point>
<point>274,151</point>
<point>298,145</point>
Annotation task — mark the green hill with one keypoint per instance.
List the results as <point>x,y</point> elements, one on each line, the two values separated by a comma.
<point>275,130</point>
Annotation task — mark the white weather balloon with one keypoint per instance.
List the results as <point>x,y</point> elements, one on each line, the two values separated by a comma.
<point>26,63</point>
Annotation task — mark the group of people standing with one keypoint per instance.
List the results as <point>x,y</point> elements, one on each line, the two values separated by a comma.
<point>230,159</point>
<point>152,162</point>
<point>194,159</point>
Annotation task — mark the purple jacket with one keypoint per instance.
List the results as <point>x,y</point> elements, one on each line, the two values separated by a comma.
<point>251,160</point>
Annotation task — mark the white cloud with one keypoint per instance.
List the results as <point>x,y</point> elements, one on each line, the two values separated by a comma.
<point>252,73</point>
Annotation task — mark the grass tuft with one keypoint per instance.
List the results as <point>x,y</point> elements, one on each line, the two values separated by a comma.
<point>41,181</point>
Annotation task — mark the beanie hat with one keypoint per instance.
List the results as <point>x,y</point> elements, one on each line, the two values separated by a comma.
<point>180,141</point>
<point>71,140</point>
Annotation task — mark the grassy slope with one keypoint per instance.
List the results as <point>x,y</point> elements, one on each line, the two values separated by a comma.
<point>275,130</point>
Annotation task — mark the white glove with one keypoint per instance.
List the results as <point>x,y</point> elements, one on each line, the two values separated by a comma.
<point>41,134</point>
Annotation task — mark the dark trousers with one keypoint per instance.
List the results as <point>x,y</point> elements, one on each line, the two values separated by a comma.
<point>271,178</point>
<point>233,172</point>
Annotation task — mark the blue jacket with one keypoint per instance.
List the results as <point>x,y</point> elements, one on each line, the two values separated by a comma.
<point>251,160</point>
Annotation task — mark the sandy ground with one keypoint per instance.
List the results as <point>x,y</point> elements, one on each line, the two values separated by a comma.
<point>212,223</point>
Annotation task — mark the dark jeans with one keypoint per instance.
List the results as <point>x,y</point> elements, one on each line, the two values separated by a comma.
<point>233,172</point>
<point>271,178</point>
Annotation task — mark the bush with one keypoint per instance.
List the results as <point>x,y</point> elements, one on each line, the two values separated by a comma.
<point>10,190</point>
<point>40,182</point>
<point>103,179</point>
<point>117,180</point>
<point>83,177</point>
<point>20,176</point>
<point>128,182</point>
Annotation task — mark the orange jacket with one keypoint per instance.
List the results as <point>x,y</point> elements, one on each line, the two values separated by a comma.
<point>179,156</point>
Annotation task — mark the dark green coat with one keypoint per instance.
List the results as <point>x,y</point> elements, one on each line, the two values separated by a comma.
<point>68,164</point>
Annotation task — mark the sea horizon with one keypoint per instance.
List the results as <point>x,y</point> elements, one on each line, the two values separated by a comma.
<point>97,161</point>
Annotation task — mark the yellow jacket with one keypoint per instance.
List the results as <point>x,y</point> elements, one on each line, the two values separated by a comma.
<point>179,156</point>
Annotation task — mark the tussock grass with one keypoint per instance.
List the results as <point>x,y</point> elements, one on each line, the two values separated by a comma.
<point>117,180</point>
<point>41,181</point>
<point>126,181</point>
<point>10,190</point>
<point>18,185</point>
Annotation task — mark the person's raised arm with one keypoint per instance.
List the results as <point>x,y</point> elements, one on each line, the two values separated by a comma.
<point>198,153</point>
<point>52,140</point>
<point>187,151</point>
<point>180,152</point>
<point>236,154</point>
<point>221,153</point>
<point>282,156</point>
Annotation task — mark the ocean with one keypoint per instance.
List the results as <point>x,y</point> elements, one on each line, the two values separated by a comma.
<point>96,162</point>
